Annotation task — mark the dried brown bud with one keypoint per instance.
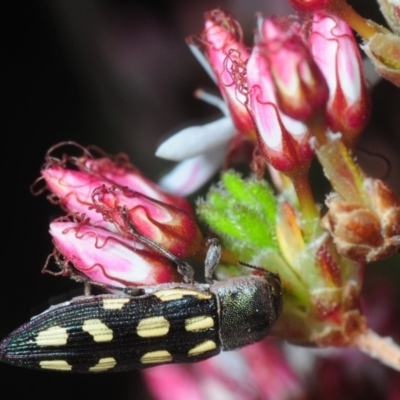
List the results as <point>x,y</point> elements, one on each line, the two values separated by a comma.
<point>365,232</point>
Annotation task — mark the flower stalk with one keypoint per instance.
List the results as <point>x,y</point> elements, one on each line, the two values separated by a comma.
<point>383,349</point>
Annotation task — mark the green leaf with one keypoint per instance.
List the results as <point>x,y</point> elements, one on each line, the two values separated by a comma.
<point>243,213</point>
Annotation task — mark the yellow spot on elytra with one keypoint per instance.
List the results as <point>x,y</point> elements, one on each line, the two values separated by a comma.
<point>208,345</point>
<point>198,323</point>
<point>115,304</point>
<point>103,365</point>
<point>100,331</point>
<point>159,356</point>
<point>60,365</point>
<point>53,336</point>
<point>153,327</point>
<point>175,294</point>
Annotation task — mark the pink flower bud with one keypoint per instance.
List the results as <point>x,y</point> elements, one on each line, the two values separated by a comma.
<point>283,141</point>
<point>227,55</point>
<point>300,87</point>
<point>336,52</point>
<point>73,189</point>
<point>267,376</point>
<point>99,190</point>
<point>165,224</point>
<point>121,172</point>
<point>314,5</point>
<point>109,258</point>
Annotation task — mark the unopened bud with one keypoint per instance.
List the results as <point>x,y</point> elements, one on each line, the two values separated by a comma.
<point>364,233</point>
<point>109,258</point>
<point>121,172</point>
<point>227,55</point>
<point>164,224</point>
<point>73,190</point>
<point>300,87</point>
<point>283,141</point>
<point>337,54</point>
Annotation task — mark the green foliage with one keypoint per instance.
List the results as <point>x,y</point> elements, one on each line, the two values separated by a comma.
<point>242,212</point>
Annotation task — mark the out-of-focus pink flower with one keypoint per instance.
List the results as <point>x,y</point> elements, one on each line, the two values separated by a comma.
<point>263,371</point>
<point>283,141</point>
<point>314,5</point>
<point>337,54</point>
<point>300,87</point>
<point>109,258</point>
<point>259,371</point>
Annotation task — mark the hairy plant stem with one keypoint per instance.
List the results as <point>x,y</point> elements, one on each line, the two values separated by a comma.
<point>383,349</point>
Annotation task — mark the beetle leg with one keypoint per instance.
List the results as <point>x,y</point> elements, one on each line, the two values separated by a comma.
<point>212,258</point>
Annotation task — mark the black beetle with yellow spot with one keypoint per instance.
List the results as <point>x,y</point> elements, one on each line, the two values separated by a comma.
<point>149,326</point>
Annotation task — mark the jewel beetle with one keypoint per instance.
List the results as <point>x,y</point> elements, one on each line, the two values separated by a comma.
<point>151,325</point>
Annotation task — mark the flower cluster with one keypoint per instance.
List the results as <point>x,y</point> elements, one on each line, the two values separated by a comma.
<point>296,94</point>
<point>93,239</point>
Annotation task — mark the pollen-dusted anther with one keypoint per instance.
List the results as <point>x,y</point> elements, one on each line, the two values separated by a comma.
<point>365,233</point>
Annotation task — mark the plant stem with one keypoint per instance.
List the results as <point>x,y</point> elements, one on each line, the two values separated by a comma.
<point>383,349</point>
<point>345,176</point>
<point>309,210</point>
<point>365,29</point>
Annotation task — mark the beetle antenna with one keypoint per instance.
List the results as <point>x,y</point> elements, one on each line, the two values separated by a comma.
<point>183,267</point>
<point>265,271</point>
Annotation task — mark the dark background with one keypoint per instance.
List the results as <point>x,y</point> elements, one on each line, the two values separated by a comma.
<point>119,75</point>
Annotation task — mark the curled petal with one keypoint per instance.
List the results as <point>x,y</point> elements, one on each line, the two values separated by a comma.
<point>196,140</point>
<point>190,175</point>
